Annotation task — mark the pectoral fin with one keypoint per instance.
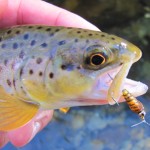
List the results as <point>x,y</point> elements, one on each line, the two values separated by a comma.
<point>14,112</point>
<point>64,110</point>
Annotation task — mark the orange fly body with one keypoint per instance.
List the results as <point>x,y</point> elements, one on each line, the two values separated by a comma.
<point>135,105</point>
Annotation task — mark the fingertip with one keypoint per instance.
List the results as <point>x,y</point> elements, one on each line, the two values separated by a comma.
<point>23,12</point>
<point>51,15</point>
<point>67,18</point>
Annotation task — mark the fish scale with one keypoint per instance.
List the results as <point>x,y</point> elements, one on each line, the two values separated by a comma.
<point>31,69</point>
<point>24,45</point>
<point>6,76</point>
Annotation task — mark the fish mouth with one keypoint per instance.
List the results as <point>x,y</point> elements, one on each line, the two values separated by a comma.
<point>98,95</point>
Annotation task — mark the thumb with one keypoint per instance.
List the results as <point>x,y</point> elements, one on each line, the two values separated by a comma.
<point>3,6</point>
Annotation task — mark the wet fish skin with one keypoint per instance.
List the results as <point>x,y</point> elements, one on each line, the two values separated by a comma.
<point>49,68</point>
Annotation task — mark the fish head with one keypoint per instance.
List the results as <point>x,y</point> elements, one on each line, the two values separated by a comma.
<point>82,77</point>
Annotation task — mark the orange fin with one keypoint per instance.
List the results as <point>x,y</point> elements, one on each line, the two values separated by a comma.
<point>14,112</point>
<point>64,110</point>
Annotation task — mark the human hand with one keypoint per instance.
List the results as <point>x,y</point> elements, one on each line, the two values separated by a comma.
<point>17,12</point>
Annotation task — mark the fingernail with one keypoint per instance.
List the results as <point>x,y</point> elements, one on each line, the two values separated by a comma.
<point>36,129</point>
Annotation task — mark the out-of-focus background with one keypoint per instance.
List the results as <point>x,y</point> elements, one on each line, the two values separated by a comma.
<point>104,127</point>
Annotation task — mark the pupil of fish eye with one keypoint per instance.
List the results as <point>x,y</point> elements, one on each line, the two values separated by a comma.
<point>97,59</point>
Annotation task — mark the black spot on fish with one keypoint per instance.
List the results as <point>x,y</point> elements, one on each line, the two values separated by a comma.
<point>9,31</point>
<point>30,27</point>
<point>67,67</point>
<point>5,62</point>
<point>17,32</point>
<point>26,36</point>
<point>90,34</point>
<point>38,60</point>
<point>21,54</point>
<point>14,83</point>
<point>78,67</point>
<point>51,75</point>
<point>30,71</point>
<point>62,42</point>
<point>48,29</point>
<point>15,45</point>
<point>39,27</point>
<point>0,39</point>
<point>40,73</point>
<point>33,42</point>
<point>9,82</point>
<point>78,32</point>
<point>112,38</point>
<point>44,45</point>
<point>76,40</point>
<point>63,67</point>
<point>3,45</point>
<point>102,35</point>
<point>57,30</point>
<point>21,72</point>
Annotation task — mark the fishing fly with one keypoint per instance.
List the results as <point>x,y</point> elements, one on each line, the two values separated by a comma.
<point>134,104</point>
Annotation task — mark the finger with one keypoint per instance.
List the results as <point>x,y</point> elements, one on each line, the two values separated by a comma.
<point>3,139</point>
<point>23,135</point>
<point>51,15</point>
<point>40,12</point>
<point>3,5</point>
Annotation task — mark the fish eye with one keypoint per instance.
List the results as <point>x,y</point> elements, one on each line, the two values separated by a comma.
<point>97,59</point>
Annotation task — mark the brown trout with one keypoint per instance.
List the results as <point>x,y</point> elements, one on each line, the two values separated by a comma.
<point>43,67</point>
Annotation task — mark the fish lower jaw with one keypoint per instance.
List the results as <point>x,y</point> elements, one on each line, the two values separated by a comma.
<point>99,91</point>
<point>99,96</point>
